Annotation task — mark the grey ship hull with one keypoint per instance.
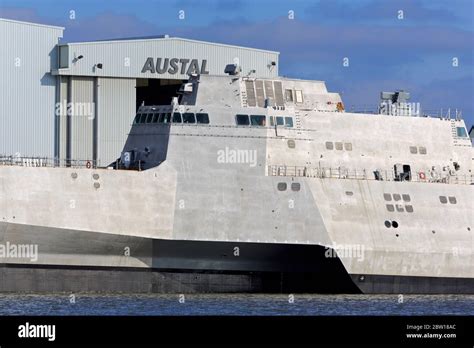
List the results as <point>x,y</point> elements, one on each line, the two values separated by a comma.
<point>175,266</point>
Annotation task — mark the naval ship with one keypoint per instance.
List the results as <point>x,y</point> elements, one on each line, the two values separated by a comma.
<point>246,184</point>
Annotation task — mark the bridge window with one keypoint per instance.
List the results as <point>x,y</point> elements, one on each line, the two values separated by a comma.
<point>137,118</point>
<point>176,117</point>
<point>188,117</point>
<point>242,120</point>
<point>155,118</point>
<point>142,118</point>
<point>149,118</point>
<point>167,118</point>
<point>257,120</point>
<point>461,132</point>
<point>280,121</point>
<point>202,118</point>
<point>288,122</point>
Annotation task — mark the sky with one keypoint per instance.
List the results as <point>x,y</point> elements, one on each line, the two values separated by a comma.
<point>423,46</point>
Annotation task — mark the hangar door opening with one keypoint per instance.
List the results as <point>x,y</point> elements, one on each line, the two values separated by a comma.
<point>157,91</point>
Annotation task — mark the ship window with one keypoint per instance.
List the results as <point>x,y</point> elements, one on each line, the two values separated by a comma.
<point>158,118</point>
<point>461,132</point>
<point>348,146</point>
<point>137,118</point>
<point>288,122</point>
<point>387,197</point>
<point>396,197</point>
<point>149,118</point>
<point>202,118</point>
<point>299,96</point>
<point>188,117</point>
<point>291,144</point>
<point>288,95</point>
<point>413,149</point>
<point>400,208</point>
<point>281,186</point>
<point>422,150</point>
<point>390,207</point>
<point>295,186</point>
<point>338,146</point>
<point>142,118</point>
<point>409,208</point>
<point>406,197</point>
<point>329,145</point>
<point>257,120</point>
<point>443,199</point>
<point>272,121</point>
<point>242,120</point>
<point>452,200</point>
<point>280,121</point>
<point>167,118</point>
<point>176,117</point>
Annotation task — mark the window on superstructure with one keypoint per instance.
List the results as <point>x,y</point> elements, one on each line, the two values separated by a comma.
<point>339,146</point>
<point>280,121</point>
<point>257,120</point>
<point>452,200</point>
<point>422,150</point>
<point>288,122</point>
<point>461,132</point>
<point>202,118</point>
<point>299,96</point>
<point>272,121</point>
<point>142,118</point>
<point>329,145</point>
<point>443,199</point>
<point>137,118</point>
<point>167,118</point>
<point>242,120</point>
<point>288,95</point>
<point>176,117</point>
<point>188,117</point>
<point>348,146</point>
<point>413,150</point>
<point>149,118</point>
<point>155,118</point>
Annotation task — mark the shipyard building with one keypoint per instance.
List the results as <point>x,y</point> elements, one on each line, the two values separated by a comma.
<point>77,100</point>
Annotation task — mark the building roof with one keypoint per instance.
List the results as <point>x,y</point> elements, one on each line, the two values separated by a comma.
<point>31,23</point>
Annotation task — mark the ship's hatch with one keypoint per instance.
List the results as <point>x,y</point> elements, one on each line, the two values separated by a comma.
<point>157,91</point>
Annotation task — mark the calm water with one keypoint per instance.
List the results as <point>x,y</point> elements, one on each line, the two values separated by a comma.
<point>236,304</point>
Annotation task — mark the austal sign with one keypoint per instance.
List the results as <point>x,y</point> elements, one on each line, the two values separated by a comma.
<point>174,65</point>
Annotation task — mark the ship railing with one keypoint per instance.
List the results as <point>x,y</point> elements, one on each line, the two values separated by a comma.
<point>46,162</point>
<point>364,174</point>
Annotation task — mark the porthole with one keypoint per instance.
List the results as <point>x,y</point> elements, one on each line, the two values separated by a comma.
<point>409,208</point>
<point>387,197</point>
<point>74,175</point>
<point>291,144</point>
<point>387,224</point>
<point>329,145</point>
<point>295,186</point>
<point>443,199</point>
<point>281,186</point>
<point>394,224</point>
<point>452,200</point>
<point>339,146</point>
<point>390,208</point>
<point>406,198</point>
<point>397,197</point>
<point>349,193</point>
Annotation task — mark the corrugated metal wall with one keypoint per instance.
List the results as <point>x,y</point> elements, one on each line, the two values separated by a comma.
<point>126,58</point>
<point>116,112</point>
<point>28,90</point>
